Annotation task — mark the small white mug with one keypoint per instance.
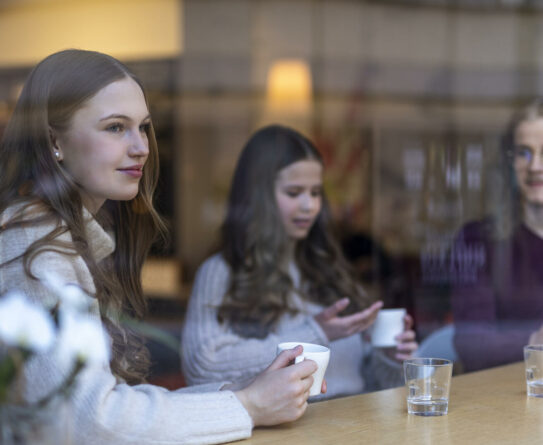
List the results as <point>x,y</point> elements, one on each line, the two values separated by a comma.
<point>319,354</point>
<point>388,324</point>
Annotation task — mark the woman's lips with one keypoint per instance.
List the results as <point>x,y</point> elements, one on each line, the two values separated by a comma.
<point>133,172</point>
<point>302,223</point>
<point>534,182</point>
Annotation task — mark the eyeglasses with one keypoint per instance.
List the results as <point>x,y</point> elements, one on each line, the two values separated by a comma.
<point>523,156</point>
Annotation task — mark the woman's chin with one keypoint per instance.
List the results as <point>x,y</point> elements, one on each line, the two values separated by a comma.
<point>534,199</point>
<point>125,196</point>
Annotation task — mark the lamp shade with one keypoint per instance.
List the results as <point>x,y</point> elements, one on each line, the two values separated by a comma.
<point>289,86</point>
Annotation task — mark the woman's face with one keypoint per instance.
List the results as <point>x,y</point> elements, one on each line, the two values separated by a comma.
<point>105,147</point>
<point>298,193</point>
<point>528,160</point>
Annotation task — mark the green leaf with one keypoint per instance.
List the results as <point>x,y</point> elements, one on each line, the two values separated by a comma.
<point>8,372</point>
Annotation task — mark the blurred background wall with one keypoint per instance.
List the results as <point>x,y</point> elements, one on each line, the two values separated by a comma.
<point>406,99</point>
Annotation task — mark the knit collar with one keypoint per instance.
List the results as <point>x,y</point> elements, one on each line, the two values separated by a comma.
<point>101,242</point>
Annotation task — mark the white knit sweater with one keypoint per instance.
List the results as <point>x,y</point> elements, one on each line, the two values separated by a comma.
<point>211,351</point>
<point>106,410</point>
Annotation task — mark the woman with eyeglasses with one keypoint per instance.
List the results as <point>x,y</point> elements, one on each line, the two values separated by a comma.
<point>498,305</point>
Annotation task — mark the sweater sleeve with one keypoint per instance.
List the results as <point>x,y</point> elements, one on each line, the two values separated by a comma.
<point>385,372</point>
<point>378,370</point>
<point>212,352</point>
<point>105,410</point>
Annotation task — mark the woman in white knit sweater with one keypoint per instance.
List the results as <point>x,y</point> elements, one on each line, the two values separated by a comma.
<point>79,165</point>
<point>280,276</point>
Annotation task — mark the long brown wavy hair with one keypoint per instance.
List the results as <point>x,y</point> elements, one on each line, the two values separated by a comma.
<point>255,244</point>
<point>55,89</point>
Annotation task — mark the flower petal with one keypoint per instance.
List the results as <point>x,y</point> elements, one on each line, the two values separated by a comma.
<point>25,324</point>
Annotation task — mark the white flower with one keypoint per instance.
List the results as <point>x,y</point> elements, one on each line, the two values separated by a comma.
<point>82,337</point>
<point>71,296</point>
<point>23,323</point>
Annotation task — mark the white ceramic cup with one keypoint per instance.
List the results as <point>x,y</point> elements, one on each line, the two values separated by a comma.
<point>388,324</point>
<point>319,354</point>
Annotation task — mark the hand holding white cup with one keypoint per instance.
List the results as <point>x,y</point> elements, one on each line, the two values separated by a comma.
<point>319,354</point>
<point>388,324</point>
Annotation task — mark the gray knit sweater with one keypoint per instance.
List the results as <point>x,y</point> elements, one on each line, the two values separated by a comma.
<point>106,410</point>
<point>211,351</point>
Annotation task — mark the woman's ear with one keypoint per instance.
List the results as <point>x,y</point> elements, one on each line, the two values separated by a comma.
<point>56,147</point>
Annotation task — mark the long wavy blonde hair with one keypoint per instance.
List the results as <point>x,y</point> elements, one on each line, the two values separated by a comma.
<point>55,89</point>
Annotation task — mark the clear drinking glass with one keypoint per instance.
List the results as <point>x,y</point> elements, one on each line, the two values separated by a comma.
<point>428,382</point>
<point>533,361</point>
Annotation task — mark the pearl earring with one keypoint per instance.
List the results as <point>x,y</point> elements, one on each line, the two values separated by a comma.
<point>57,155</point>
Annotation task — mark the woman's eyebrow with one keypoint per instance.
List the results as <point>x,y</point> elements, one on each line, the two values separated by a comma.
<point>122,116</point>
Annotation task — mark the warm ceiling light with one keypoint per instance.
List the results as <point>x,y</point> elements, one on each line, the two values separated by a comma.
<point>126,29</point>
<point>289,86</point>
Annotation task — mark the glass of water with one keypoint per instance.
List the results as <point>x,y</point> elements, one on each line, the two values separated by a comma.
<point>533,361</point>
<point>428,381</point>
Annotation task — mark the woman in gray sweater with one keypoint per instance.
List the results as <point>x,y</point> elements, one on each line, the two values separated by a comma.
<point>79,165</point>
<point>280,276</point>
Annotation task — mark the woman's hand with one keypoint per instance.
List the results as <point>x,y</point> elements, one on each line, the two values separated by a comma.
<point>336,327</point>
<point>536,338</point>
<point>279,394</point>
<point>407,345</point>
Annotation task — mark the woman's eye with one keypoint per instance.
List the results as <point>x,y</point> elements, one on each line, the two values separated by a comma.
<point>144,128</point>
<point>115,128</point>
<point>316,193</point>
<point>523,152</point>
<point>292,193</point>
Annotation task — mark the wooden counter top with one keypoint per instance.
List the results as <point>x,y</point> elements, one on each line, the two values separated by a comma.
<point>485,407</point>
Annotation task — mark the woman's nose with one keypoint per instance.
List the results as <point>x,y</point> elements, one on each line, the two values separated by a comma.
<point>308,202</point>
<point>139,145</point>
<point>536,162</point>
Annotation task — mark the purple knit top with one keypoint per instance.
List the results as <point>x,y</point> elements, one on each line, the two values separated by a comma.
<point>498,301</point>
